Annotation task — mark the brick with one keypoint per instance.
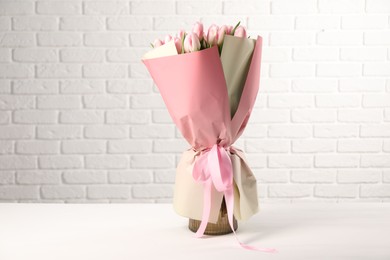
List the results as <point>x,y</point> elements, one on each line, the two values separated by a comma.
<point>164,176</point>
<point>315,54</point>
<point>359,145</point>
<point>82,55</point>
<point>58,8</point>
<point>5,54</point>
<point>154,191</point>
<point>204,7</point>
<point>337,38</point>
<point>323,22</point>
<point>58,102</point>
<point>142,39</point>
<point>63,192</point>
<point>106,8</point>
<point>16,132</point>
<point>5,117</point>
<point>147,101</point>
<point>375,160</point>
<point>386,145</point>
<point>376,69</point>
<point>274,22</point>
<point>35,116</point>
<point>153,131</point>
<point>360,115</point>
<point>290,100</point>
<point>362,22</point>
<point>35,55</point>
<point>153,7</point>
<point>275,54</point>
<point>290,161</point>
<point>16,8</point>
<point>125,55</point>
<point>106,39</point>
<point>17,39</point>
<point>160,161</point>
<point>16,71</point>
<point>19,192</point>
<point>129,146</point>
<point>290,131</point>
<point>60,162</point>
<point>104,71</point>
<point>341,6</point>
<point>381,130</point>
<point>82,117</point>
<point>375,190</point>
<point>130,23</point>
<point>274,85</point>
<point>37,147</point>
<point>105,101</point>
<point>170,146</point>
<point>255,131</point>
<point>106,161</point>
<point>58,71</point>
<point>82,23</point>
<point>271,176</point>
<point>38,177</point>
<point>313,115</point>
<point>377,6</point>
<point>336,191</point>
<point>361,85</point>
<point>267,146</point>
<point>296,7</point>
<point>59,132</point>
<point>13,102</point>
<point>376,38</point>
<point>313,146</point>
<point>130,176</point>
<point>314,85</point>
<point>6,147</point>
<point>34,23</point>
<point>127,116</point>
<point>386,176</point>
<point>5,23</point>
<point>376,100</point>
<point>339,69</point>
<point>313,176</point>
<point>83,147</point>
<point>18,162</point>
<point>110,192</point>
<point>35,86</point>
<point>60,39</point>
<point>270,116</point>
<point>291,38</point>
<point>290,191</point>
<point>363,54</point>
<point>338,160</point>
<point>106,132</point>
<point>338,101</point>
<point>85,177</point>
<point>130,86</point>
<point>358,176</point>
<point>224,19</point>
<point>82,86</point>
<point>7,177</point>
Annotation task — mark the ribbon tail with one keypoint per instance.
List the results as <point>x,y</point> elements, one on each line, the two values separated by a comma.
<point>206,208</point>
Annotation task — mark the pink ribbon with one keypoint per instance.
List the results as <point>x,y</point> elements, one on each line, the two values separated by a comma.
<point>214,167</point>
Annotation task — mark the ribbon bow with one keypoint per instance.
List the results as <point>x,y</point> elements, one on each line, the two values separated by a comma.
<point>214,167</point>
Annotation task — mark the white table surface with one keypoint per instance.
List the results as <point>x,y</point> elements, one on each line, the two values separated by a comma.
<point>153,231</point>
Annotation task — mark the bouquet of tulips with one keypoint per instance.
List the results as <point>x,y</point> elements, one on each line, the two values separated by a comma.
<point>209,82</point>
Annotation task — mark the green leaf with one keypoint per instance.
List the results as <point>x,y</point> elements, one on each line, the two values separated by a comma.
<point>235,27</point>
<point>152,45</point>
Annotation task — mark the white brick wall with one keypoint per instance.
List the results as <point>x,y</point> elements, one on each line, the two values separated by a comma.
<point>81,121</point>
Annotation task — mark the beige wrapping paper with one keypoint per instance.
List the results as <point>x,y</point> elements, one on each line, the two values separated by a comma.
<point>188,198</point>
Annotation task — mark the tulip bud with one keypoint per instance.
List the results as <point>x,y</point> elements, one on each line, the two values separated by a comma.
<point>181,34</point>
<point>198,30</point>
<point>157,43</point>
<point>229,29</point>
<point>212,35</point>
<point>221,34</point>
<point>168,38</point>
<point>178,45</point>
<point>240,32</point>
<point>191,43</point>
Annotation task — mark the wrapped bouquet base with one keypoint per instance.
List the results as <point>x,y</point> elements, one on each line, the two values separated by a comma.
<point>222,226</point>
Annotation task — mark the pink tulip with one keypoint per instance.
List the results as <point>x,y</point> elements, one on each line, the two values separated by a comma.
<point>191,43</point>
<point>157,43</point>
<point>221,34</point>
<point>178,45</point>
<point>198,30</point>
<point>240,32</point>
<point>229,29</point>
<point>212,35</point>
<point>168,38</point>
<point>181,34</point>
